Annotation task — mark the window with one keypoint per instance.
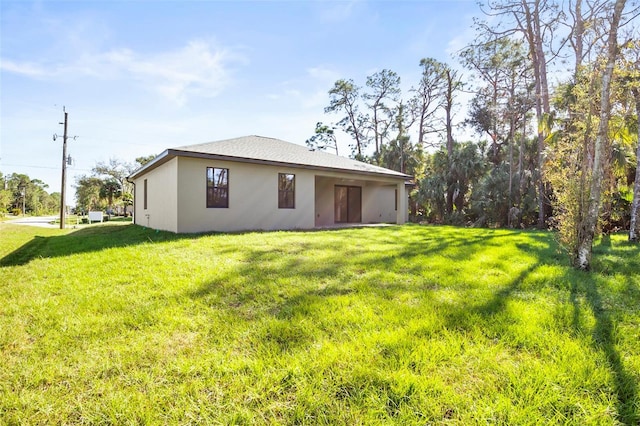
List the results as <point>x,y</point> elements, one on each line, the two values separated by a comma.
<point>396,205</point>
<point>217,187</point>
<point>286,190</point>
<point>144,194</point>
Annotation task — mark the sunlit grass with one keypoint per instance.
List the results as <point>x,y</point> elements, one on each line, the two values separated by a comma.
<point>406,325</point>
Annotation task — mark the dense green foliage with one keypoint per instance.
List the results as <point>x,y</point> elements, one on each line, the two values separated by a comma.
<point>396,325</point>
<point>18,191</point>
<point>556,141</point>
<point>107,188</point>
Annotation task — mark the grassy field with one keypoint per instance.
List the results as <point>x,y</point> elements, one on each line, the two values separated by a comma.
<point>117,324</point>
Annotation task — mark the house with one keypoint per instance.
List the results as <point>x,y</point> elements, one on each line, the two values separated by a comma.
<point>255,182</point>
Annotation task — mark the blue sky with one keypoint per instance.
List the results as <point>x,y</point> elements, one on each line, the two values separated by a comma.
<point>137,77</point>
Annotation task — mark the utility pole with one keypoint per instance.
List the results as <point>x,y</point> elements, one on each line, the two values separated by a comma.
<point>23,191</point>
<point>64,172</point>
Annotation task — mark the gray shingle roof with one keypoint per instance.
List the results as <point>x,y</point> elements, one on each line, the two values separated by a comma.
<point>266,150</point>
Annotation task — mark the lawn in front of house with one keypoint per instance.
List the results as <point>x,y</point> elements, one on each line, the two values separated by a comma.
<point>402,324</point>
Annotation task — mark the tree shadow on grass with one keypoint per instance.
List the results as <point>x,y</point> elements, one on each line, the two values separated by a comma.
<point>105,236</point>
<point>622,261</point>
<point>537,248</point>
<point>469,313</point>
<point>84,240</point>
<point>349,257</point>
<point>604,339</point>
<point>604,332</point>
<point>607,257</point>
<point>367,262</point>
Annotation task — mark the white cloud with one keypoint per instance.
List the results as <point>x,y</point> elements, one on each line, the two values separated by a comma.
<point>198,69</point>
<point>309,91</point>
<point>323,75</point>
<point>293,93</point>
<point>459,42</point>
<point>337,11</point>
<point>307,98</point>
<point>316,100</point>
<point>25,68</point>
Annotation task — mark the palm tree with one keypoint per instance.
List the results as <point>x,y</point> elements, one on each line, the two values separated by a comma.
<point>110,189</point>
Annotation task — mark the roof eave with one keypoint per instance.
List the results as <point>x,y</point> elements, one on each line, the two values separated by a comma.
<point>159,160</point>
<point>171,153</point>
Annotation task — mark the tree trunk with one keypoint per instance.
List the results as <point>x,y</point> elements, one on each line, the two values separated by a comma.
<point>449,128</point>
<point>421,132</point>
<point>587,229</point>
<point>633,227</point>
<point>512,132</point>
<point>510,195</point>
<point>376,135</point>
<point>448,107</point>
<point>579,36</point>
<point>521,186</point>
<point>449,200</point>
<point>539,177</point>
<point>533,34</point>
<point>356,134</point>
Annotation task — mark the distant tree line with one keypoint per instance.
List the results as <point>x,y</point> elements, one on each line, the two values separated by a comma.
<point>555,97</point>
<point>19,190</point>
<point>106,188</point>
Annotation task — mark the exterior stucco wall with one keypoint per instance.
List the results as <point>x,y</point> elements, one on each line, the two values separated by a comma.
<point>161,211</point>
<point>253,198</point>
<point>378,204</point>
<point>324,201</point>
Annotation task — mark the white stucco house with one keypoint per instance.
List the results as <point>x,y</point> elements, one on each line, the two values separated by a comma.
<point>260,183</point>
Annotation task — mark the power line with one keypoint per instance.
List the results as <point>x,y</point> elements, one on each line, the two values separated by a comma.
<point>120,142</point>
<point>42,167</point>
<point>28,166</point>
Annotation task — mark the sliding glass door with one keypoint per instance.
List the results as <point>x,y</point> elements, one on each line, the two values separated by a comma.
<point>348,204</point>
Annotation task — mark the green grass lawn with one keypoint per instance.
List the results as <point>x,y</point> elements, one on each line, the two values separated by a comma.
<point>117,324</point>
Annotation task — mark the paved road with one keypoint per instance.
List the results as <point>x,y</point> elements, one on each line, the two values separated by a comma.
<point>41,221</point>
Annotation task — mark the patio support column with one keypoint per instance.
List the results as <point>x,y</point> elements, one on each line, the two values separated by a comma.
<point>403,204</point>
